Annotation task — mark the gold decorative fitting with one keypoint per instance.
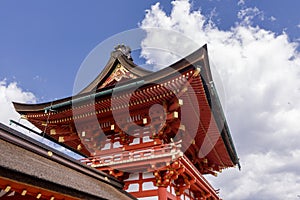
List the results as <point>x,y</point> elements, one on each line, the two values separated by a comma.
<point>50,153</point>
<point>79,147</point>
<point>24,192</point>
<point>112,127</point>
<point>197,72</point>
<point>52,132</point>
<point>38,195</point>
<point>23,117</point>
<point>175,114</point>
<point>52,198</point>
<point>144,120</point>
<point>61,139</point>
<point>180,102</point>
<point>7,188</point>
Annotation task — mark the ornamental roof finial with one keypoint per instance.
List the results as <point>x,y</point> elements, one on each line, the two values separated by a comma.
<point>124,49</point>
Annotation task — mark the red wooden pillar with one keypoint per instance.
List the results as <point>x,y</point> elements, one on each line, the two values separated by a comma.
<point>162,193</point>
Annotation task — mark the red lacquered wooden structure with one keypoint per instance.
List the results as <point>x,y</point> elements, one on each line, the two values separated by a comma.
<point>159,132</point>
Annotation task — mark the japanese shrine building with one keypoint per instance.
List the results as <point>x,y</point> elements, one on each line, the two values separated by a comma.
<point>157,132</point>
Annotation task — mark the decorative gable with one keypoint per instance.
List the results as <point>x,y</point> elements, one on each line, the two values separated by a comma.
<point>119,74</point>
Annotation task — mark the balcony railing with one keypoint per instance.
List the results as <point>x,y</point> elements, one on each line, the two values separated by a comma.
<point>171,151</point>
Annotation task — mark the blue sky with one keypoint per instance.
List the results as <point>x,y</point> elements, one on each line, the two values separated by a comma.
<point>44,42</point>
<point>253,46</point>
<point>285,12</point>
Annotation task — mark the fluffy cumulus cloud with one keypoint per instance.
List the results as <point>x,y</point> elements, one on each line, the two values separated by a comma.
<point>10,92</point>
<point>260,73</point>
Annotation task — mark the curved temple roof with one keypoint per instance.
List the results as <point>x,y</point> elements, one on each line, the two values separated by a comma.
<point>121,69</point>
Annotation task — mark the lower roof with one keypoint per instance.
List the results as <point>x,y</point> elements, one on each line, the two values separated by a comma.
<point>37,167</point>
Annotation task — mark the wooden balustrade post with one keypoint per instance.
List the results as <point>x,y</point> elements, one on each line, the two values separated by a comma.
<point>162,193</point>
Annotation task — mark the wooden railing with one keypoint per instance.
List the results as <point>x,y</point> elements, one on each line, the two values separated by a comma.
<point>171,150</point>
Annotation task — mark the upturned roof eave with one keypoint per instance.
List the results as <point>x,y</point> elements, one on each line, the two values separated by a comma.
<point>184,64</point>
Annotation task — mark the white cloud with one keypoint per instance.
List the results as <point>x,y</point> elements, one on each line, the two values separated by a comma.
<point>12,92</point>
<point>241,2</point>
<point>272,18</point>
<point>262,172</point>
<point>261,78</point>
<point>248,14</point>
